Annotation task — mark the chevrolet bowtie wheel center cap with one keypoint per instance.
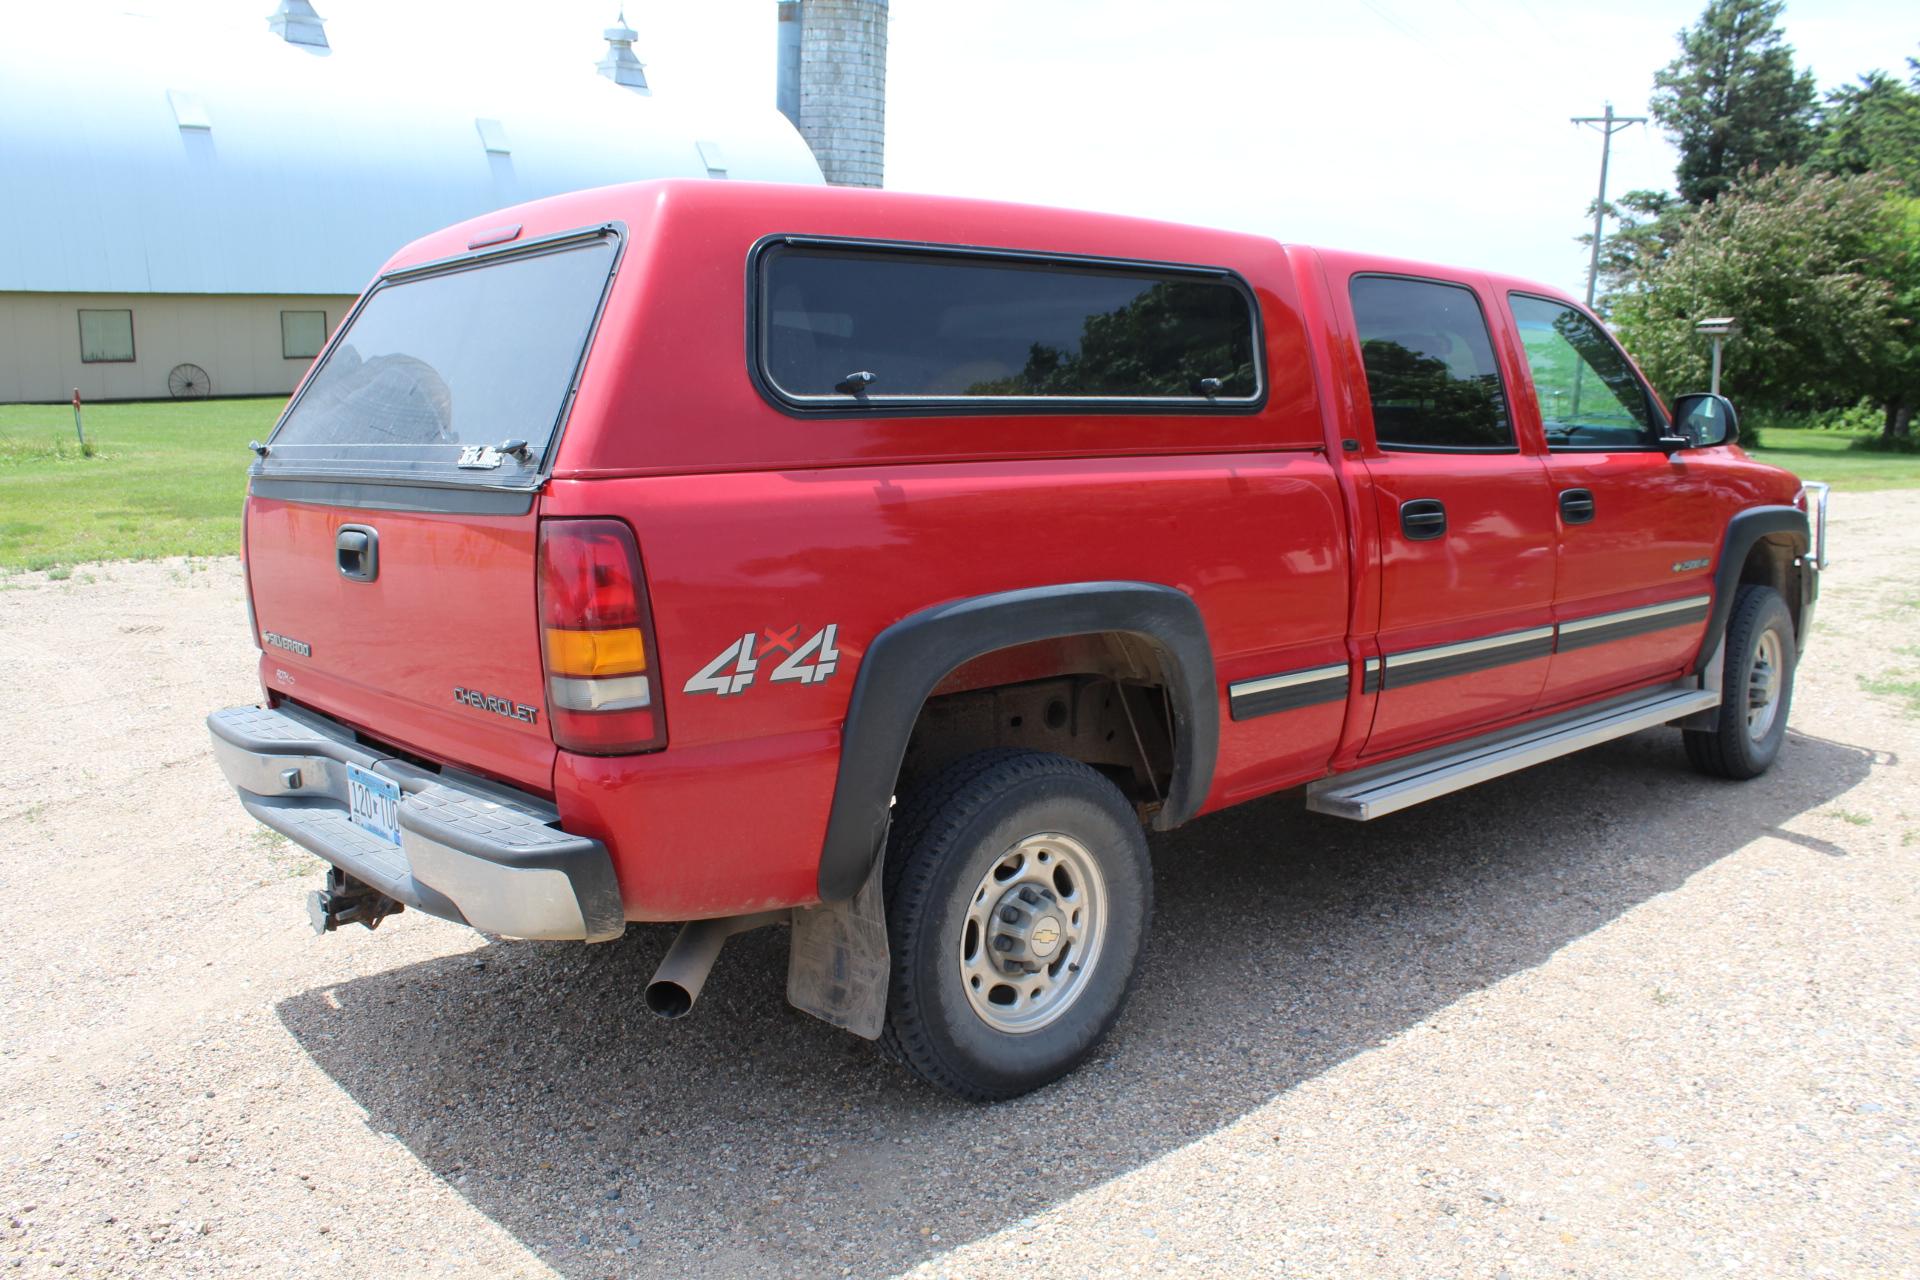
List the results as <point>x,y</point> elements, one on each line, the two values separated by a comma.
<point>1032,933</point>
<point>1027,929</point>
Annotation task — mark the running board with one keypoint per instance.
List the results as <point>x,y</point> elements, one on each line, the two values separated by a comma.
<point>1375,792</point>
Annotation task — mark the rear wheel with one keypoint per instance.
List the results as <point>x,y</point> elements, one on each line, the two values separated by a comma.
<point>1756,690</point>
<point>1018,895</point>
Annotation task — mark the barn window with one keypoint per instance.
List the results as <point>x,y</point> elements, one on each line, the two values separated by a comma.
<point>106,337</point>
<point>302,334</point>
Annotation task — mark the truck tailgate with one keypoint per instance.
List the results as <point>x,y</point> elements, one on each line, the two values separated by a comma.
<point>438,652</point>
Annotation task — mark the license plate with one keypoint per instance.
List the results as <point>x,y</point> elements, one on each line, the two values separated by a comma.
<point>373,803</point>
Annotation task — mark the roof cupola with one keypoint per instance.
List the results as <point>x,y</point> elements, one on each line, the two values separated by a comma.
<point>620,65</point>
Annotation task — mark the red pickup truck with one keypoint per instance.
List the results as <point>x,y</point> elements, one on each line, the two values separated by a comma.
<point>882,566</point>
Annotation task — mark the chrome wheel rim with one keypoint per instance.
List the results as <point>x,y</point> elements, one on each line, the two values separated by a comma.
<point>1764,679</point>
<point>1033,933</point>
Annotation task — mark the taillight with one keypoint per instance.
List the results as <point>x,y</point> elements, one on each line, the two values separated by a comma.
<point>246,577</point>
<point>596,639</point>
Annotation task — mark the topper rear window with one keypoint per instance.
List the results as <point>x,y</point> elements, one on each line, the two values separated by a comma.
<point>847,329</point>
<point>438,373</point>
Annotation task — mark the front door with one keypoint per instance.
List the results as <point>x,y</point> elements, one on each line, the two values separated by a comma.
<point>1466,524</point>
<point>1638,527</point>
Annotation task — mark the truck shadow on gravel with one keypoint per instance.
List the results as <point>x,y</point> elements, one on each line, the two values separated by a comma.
<point>750,1139</point>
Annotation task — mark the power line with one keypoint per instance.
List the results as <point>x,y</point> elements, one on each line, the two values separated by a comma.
<point>1608,125</point>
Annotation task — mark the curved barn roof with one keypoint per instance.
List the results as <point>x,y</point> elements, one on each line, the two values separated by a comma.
<point>141,158</point>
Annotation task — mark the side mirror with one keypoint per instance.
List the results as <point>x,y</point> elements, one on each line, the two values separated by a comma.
<point>1701,420</point>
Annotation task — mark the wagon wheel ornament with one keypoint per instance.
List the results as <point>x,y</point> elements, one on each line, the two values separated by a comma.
<point>189,382</point>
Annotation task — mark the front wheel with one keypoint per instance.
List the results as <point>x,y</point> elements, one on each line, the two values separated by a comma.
<point>1756,690</point>
<point>1018,894</point>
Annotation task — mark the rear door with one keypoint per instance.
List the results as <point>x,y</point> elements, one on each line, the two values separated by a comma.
<point>1465,517</point>
<point>391,525</point>
<point>1638,528</point>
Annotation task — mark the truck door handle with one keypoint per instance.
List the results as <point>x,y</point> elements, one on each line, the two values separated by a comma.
<point>1423,519</point>
<point>1576,505</point>
<point>356,549</point>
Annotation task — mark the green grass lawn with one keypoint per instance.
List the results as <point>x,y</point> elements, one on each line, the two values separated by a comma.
<point>167,480</point>
<point>1823,455</point>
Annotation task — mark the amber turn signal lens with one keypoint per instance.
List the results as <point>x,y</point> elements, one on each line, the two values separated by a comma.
<point>621,651</point>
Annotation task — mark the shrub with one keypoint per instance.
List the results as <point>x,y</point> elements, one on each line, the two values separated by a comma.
<point>1886,444</point>
<point>1865,417</point>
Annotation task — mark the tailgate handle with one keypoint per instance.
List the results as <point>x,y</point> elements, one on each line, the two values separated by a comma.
<point>356,549</point>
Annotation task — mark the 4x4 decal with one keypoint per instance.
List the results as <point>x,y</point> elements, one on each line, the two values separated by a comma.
<point>807,661</point>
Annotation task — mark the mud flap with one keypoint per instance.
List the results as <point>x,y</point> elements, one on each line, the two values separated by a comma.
<point>1710,678</point>
<point>837,964</point>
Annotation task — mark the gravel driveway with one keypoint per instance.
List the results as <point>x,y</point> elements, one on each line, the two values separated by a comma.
<point>1606,1018</point>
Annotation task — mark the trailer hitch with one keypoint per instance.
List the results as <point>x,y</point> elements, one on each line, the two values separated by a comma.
<point>348,901</point>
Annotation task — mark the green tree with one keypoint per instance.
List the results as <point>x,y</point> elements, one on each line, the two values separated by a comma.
<point>1874,127</point>
<point>1646,226</point>
<point>1895,382</point>
<point>1802,261</point>
<point>1732,101</point>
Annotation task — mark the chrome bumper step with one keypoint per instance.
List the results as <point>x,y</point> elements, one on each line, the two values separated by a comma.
<point>470,851</point>
<point>1398,784</point>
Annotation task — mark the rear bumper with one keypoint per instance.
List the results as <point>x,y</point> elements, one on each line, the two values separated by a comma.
<point>471,851</point>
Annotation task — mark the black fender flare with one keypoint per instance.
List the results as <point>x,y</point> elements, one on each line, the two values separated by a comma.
<point>907,660</point>
<point>1745,529</point>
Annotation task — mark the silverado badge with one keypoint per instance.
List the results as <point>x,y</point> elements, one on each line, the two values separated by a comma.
<point>288,643</point>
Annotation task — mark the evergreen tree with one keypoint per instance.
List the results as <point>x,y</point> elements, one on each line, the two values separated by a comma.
<point>1733,100</point>
<point>1647,224</point>
<point>1874,127</point>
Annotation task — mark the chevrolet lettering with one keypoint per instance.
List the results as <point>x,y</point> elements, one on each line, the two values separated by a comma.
<point>886,568</point>
<point>498,706</point>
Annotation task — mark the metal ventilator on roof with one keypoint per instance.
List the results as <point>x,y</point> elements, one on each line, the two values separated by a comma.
<point>296,23</point>
<point>620,65</point>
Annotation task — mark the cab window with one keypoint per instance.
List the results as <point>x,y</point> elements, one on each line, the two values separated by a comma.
<point>1589,396</point>
<point>1430,370</point>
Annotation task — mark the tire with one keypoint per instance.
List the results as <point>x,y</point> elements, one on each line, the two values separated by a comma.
<point>962,927</point>
<point>1749,737</point>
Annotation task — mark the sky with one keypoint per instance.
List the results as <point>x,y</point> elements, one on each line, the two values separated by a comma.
<point>1432,129</point>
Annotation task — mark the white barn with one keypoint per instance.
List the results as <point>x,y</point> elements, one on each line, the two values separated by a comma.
<point>187,211</point>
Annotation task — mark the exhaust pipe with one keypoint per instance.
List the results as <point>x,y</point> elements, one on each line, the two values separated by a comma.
<point>683,970</point>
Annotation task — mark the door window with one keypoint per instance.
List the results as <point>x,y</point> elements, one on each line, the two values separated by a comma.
<point>1430,370</point>
<point>1589,396</point>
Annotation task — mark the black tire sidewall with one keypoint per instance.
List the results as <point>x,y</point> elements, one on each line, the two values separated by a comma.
<point>1756,611</point>
<point>1080,804</point>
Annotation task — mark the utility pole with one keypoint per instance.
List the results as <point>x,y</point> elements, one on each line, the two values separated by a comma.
<point>1608,125</point>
